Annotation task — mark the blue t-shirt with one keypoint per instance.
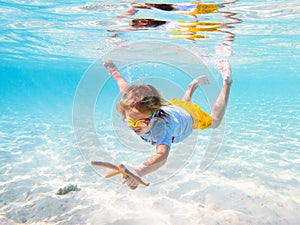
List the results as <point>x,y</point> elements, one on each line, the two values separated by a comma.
<point>172,129</point>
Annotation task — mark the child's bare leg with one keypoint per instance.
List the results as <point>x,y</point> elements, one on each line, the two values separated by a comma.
<point>114,72</point>
<point>199,81</point>
<point>219,107</point>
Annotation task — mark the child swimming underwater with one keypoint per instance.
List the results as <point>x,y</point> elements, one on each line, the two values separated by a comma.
<point>160,123</point>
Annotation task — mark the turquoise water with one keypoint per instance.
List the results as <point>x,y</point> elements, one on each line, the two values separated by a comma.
<point>46,49</point>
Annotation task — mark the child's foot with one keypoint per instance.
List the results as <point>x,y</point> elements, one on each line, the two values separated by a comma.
<point>200,81</point>
<point>224,67</point>
<point>110,66</point>
<point>197,82</point>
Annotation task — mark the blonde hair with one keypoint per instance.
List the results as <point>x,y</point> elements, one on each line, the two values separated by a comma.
<point>144,98</point>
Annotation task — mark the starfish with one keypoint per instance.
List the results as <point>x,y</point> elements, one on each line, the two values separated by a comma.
<point>121,169</point>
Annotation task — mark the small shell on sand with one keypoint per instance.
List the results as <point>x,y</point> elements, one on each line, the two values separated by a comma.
<point>26,194</point>
<point>67,189</point>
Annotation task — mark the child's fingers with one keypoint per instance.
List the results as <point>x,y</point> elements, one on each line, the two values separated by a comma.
<point>132,184</point>
<point>107,62</point>
<point>133,187</point>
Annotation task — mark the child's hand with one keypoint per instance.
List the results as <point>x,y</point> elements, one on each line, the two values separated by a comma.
<point>132,184</point>
<point>110,66</point>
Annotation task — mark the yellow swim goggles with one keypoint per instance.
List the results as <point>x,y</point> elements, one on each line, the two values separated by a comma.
<point>141,122</point>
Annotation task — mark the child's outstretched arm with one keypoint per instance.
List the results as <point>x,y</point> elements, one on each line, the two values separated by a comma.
<point>114,72</point>
<point>155,162</point>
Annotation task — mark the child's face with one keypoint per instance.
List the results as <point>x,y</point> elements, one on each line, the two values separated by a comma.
<point>139,122</point>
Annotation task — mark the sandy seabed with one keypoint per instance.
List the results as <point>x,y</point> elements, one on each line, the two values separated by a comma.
<point>245,185</point>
